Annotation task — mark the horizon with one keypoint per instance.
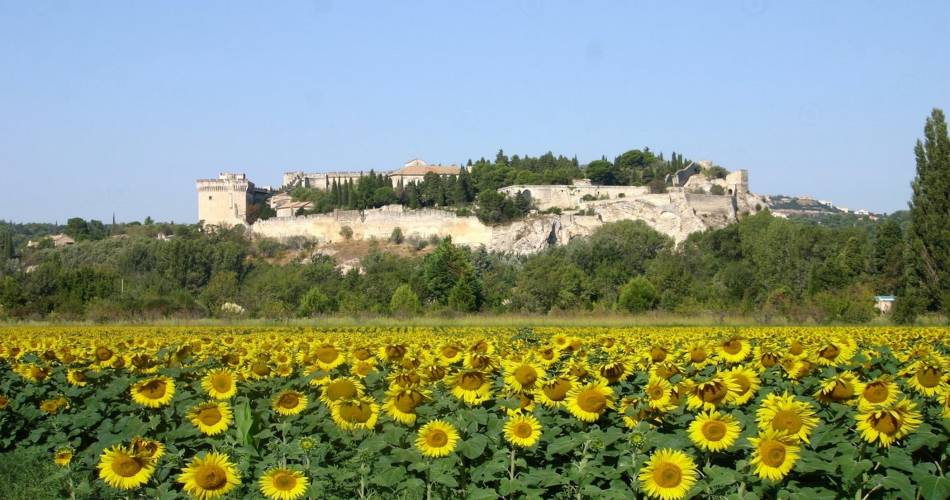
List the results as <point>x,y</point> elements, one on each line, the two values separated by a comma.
<point>119,108</point>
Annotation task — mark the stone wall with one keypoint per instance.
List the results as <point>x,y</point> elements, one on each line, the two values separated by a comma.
<point>377,223</point>
<point>569,197</point>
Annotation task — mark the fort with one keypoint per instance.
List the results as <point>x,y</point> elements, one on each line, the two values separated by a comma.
<point>562,212</point>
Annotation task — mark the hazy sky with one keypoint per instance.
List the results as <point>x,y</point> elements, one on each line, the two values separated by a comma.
<point>119,106</point>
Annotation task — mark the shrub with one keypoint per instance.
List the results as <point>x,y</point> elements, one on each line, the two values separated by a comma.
<point>346,232</point>
<point>315,302</point>
<point>717,190</point>
<point>637,295</point>
<point>405,302</point>
<point>396,236</point>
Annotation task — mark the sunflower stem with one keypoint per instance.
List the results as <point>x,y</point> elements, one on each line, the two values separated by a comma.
<point>511,466</point>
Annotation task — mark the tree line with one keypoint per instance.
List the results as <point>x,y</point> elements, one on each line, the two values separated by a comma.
<point>762,266</point>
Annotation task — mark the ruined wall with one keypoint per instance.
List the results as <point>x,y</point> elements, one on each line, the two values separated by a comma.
<point>377,223</point>
<point>568,197</point>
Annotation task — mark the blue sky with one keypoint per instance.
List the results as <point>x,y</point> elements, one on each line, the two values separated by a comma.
<point>117,107</point>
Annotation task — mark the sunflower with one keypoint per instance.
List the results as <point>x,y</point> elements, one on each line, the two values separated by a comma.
<point>773,455</point>
<point>587,403</point>
<point>658,392</point>
<point>449,354</point>
<point>4,402</point>
<point>615,371</point>
<point>765,358</point>
<point>886,424</point>
<point>353,414</point>
<point>698,355</point>
<point>734,350</point>
<point>668,474</point>
<point>209,476</point>
<point>219,384</point>
<point>76,378</point>
<point>841,388</point>
<point>473,387</point>
<point>283,484</point>
<point>437,439</point>
<point>711,394</point>
<point>523,430</point>
<point>522,376</point>
<point>553,392</point>
<point>747,384</point>
<point>786,414</point>
<point>338,389</point>
<point>328,357</point>
<point>63,456</point>
<point>148,449</point>
<point>362,368</point>
<point>714,431</point>
<point>289,402</point>
<point>945,399</point>
<point>880,392</point>
<point>212,417</point>
<point>401,404</point>
<point>153,392</point>
<point>53,405</point>
<point>925,378</point>
<point>120,468</point>
<point>834,353</point>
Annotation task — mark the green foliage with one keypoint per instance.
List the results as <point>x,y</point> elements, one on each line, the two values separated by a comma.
<point>717,190</point>
<point>346,232</point>
<point>29,474</point>
<point>315,303</point>
<point>405,302</point>
<point>396,236</point>
<point>929,233</point>
<point>638,295</point>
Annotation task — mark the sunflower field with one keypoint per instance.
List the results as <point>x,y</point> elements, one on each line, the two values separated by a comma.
<point>292,412</point>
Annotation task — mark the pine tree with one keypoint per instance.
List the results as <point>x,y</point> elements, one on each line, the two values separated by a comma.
<point>929,232</point>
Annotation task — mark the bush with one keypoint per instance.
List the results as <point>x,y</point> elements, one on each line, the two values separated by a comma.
<point>717,190</point>
<point>315,302</point>
<point>346,232</point>
<point>396,236</point>
<point>405,302</point>
<point>637,295</point>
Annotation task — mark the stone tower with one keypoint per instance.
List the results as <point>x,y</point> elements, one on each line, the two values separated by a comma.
<point>224,201</point>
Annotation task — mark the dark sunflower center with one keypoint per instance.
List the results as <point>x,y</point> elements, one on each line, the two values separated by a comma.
<point>522,430</point>
<point>288,400</point>
<point>591,401</point>
<point>471,381</point>
<point>713,392</point>
<point>153,389</point>
<point>787,420</point>
<point>211,477</point>
<point>697,355</point>
<point>221,382</point>
<point>126,466</point>
<point>876,392</point>
<point>284,481</point>
<point>341,389</point>
<point>842,391</point>
<point>887,424</point>
<point>667,475</point>
<point>526,375</point>
<point>714,430</point>
<point>437,438</point>
<point>210,415</point>
<point>830,352</point>
<point>772,453</point>
<point>407,402</point>
<point>558,390</point>
<point>327,354</point>
<point>732,346</point>
<point>928,377</point>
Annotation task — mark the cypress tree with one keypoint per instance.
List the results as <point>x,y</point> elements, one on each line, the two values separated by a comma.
<point>929,232</point>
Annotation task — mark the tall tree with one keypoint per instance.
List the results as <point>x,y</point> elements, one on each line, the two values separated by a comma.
<point>929,233</point>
